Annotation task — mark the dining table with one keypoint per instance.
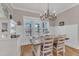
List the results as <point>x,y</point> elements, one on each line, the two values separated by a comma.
<point>37,43</point>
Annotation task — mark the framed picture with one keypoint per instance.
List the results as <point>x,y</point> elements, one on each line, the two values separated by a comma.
<point>4,27</point>
<point>61,23</point>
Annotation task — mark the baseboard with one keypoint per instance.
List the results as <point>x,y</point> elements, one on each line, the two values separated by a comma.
<point>72,46</point>
<point>74,49</point>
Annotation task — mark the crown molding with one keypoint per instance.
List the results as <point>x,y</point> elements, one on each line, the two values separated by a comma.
<point>28,10</point>
<point>67,8</point>
<point>37,12</point>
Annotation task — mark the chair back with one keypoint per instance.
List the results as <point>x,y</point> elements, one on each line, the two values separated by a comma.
<point>47,46</point>
<point>59,45</point>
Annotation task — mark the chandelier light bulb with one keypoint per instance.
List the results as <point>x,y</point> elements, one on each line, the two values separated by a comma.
<point>41,14</point>
<point>45,11</point>
<point>54,11</point>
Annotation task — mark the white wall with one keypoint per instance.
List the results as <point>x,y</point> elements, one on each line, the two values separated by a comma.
<point>71,32</point>
<point>60,30</point>
<point>8,48</point>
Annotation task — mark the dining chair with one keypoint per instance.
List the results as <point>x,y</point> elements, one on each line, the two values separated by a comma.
<point>47,46</point>
<point>59,46</point>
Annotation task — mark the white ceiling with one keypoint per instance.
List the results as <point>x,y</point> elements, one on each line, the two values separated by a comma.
<point>40,7</point>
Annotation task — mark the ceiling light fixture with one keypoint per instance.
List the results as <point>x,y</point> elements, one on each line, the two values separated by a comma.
<point>48,14</point>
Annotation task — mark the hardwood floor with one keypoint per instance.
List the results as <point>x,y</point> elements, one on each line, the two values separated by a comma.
<point>26,50</point>
<point>71,51</point>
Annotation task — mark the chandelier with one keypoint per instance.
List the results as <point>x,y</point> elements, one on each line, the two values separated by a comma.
<point>48,14</point>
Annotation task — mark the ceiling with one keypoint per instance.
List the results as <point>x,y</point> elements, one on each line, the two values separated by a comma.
<point>41,7</point>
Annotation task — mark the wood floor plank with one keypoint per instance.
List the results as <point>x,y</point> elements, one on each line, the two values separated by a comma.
<point>26,50</point>
<point>71,51</point>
